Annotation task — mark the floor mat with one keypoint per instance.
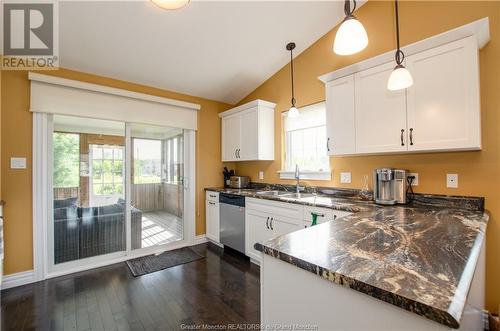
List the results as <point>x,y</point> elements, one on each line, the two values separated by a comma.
<point>151,263</point>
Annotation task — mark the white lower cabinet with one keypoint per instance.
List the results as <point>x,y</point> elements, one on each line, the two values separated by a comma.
<point>256,230</point>
<point>282,225</point>
<point>212,216</point>
<point>265,220</point>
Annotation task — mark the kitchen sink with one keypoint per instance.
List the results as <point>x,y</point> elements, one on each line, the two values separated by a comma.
<point>297,196</point>
<point>273,193</point>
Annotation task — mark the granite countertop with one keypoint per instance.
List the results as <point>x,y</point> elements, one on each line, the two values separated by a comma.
<point>420,257</point>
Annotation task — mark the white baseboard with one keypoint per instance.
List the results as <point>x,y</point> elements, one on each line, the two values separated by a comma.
<point>18,279</point>
<point>28,277</point>
<point>200,239</point>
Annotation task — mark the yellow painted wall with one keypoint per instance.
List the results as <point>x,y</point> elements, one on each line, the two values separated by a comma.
<point>16,140</point>
<point>479,172</point>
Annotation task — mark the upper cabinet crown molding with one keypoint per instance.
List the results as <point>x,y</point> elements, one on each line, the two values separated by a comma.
<point>480,29</point>
<point>248,132</point>
<point>248,105</point>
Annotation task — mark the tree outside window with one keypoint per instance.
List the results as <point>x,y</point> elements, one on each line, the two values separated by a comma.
<point>66,148</point>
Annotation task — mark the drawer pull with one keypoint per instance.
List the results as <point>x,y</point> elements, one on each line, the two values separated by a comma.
<point>212,203</point>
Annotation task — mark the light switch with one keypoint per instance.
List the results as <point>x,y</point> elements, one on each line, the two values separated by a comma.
<point>345,177</point>
<point>261,174</point>
<point>452,180</point>
<point>18,163</point>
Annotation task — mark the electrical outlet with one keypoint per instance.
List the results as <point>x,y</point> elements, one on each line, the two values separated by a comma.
<point>18,163</point>
<point>261,174</point>
<point>452,180</point>
<point>415,181</point>
<point>345,177</point>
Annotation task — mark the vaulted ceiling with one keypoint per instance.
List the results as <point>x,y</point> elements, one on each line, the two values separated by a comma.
<point>220,50</point>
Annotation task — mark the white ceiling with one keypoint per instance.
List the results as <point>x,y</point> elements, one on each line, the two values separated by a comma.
<point>216,50</point>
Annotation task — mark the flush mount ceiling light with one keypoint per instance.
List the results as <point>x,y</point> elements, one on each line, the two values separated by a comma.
<point>170,4</point>
<point>293,112</point>
<point>400,77</point>
<point>351,36</point>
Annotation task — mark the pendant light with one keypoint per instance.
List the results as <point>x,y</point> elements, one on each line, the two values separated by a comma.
<point>400,77</point>
<point>170,4</point>
<point>351,36</point>
<point>293,112</point>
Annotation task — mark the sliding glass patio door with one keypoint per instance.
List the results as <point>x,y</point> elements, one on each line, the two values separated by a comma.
<point>157,190</point>
<point>88,189</point>
<point>117,190</point>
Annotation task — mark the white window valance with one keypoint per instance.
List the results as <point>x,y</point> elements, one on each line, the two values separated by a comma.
<point>62,96</point>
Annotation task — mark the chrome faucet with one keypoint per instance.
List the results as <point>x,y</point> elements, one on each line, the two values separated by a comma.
<point>297,177</point>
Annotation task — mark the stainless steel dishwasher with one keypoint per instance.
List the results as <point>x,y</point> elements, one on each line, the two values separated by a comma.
<point>232,221</point>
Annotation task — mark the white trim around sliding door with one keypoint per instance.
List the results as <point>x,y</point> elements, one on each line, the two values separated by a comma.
<point>42,207</point>
<point>41,146</point>
<point>189,186</point>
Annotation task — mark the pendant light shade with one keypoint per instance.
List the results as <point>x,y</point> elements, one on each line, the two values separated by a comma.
<point>400,77</point>
<point>293,112</point>
<point>351,36</point>
<point>170,4</point>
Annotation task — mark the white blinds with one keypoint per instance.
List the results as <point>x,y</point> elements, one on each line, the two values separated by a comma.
<point>310,116</point>
<point>69,97</point>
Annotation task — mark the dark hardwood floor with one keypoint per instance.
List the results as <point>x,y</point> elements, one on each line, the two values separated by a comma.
<point>221,289</point>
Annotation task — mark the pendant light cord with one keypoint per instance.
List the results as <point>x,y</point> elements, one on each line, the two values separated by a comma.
<point>291,64</point>
<point>399,53</point>
<point>347,7</point>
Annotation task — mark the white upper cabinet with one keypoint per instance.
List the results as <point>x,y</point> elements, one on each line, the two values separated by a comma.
<point>380,113</point>
<point>340,127</point>
<point>231,129</point>
<point>443,103</point>
<point>248,132</point>
<point>440,112</point>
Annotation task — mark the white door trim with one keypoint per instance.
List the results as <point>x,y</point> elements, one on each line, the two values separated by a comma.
<point>41,129</point>
<point>42,199</point>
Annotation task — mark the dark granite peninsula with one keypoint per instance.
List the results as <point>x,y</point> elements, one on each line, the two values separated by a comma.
<point>413,267</point>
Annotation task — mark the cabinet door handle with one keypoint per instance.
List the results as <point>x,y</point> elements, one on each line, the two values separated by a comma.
<point>267,223</point>
<point>236,153</point>
<point>402,137</point>
<point>328,144</point>
<point>212,203</point>
<point>271,223</point>
<point>334,217</point>
<point>411,136</point>
<point>239,157</point>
